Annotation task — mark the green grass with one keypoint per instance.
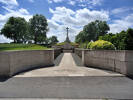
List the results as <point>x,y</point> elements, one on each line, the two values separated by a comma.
<point>13,47</point>
<point>62,43</point>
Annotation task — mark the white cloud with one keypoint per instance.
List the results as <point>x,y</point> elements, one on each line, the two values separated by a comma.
<point>4,39</point>
<point>95,2</point>
<point>23,11</point>
<point>75,20</point>
<point>121,10</point>
<point>31,1</point>
<point>85,3</point>
<point>9,3</point>
<point>53,25</point>
<point>122,24</point>
<point>72,2</point>
<point>79,17</point>
<point>16,13</point>
<point>55,1</point>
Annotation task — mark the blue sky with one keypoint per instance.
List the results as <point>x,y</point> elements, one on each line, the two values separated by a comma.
<point>70,13</point>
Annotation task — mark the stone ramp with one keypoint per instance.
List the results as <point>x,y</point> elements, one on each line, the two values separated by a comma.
<point>67,64</point>
<point>67,80</point>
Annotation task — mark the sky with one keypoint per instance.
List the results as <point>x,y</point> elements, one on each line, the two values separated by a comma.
<point>70,13</point>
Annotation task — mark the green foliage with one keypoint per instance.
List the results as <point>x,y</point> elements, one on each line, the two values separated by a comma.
<point>16,28</point>
<point>83,45</point>
<point>108,37</point>
<point>74,44</point>
<point>53,40</point>
<point>60,44</point>
<point>38,28</point>
<point>89,45</point>
<point>101,45</point>
<point>129,39</point>
<point>122,40</point>
<point>92,31</point>
<point>80,38</point>
<point>63,43</point>
<point>7,47</point>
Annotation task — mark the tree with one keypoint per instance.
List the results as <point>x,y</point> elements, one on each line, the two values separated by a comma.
<point>38,28</point>
<point>116,39</point>
<point>92,31</point>
<point>107,37</point>
<point>53,40</point>
<point>122,40</point>
<point>16,28</point>
<point>80,38</point>
<point>129,39</point>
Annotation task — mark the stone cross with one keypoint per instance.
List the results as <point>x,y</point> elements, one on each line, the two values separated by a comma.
<point>67,31</point>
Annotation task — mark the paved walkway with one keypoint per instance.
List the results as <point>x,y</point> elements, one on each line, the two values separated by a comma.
<point>67,64</point>
<point>58,83</point>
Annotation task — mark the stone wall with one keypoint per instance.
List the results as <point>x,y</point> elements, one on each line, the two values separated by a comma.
<point>117,61</point>
<point>57,52</point>
<point>12,62</point>
<point>78,51</point>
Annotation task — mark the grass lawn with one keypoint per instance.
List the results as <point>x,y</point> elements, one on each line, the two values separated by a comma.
<point>62,43</point>
<point>11,47</point>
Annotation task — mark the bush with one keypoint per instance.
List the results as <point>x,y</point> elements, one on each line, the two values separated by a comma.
<point>89,45</point>
<point>101,45</point>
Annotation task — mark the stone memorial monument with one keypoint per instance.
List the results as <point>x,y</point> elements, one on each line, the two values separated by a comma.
<point>67,46</point>
<point>67,37</point>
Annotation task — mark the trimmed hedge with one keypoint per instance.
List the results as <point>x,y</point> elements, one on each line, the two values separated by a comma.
<point>101,45</point>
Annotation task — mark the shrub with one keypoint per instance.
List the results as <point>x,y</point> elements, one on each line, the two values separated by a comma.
<point>89,45</point>
<point>101,45</point>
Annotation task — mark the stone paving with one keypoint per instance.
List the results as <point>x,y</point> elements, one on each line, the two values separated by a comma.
<point>67,80</point>
<point>67,64</point>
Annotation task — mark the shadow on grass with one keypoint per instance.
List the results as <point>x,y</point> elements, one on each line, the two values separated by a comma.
<point>58,59</point>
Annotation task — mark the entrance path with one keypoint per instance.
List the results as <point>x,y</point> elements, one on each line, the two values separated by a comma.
<point>67,80</point>
<point>67,64</point>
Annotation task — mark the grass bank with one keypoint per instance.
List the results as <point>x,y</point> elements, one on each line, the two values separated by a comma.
<point>11,47</point>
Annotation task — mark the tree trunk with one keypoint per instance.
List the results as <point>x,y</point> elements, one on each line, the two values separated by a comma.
<point>35,40</point>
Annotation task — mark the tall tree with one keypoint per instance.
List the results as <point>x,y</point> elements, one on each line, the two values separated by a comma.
<point>16,28</point>
<point>129,39</point>
<point>93,30</point>
<point>39,27</point>
<point>80,38</point>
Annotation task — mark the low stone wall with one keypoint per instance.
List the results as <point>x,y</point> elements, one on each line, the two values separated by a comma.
<point>78,51</point>
<point>57,52</point>
<point>117,61</point>
<point>12,62</point>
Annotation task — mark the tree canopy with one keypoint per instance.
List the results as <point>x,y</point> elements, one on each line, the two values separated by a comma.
<point>122,40</point>
<point>38,28</point>
<point>16,28</point>
<point>53,40</point>
<point>92,31</point>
